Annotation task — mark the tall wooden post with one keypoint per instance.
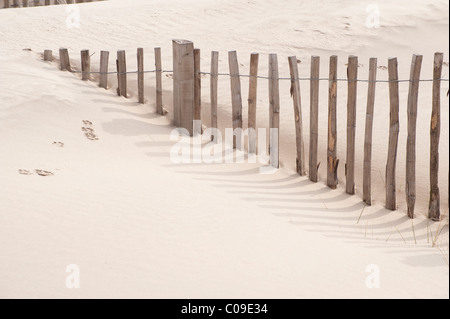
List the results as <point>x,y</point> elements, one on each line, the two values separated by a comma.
<point>236,97</point>
<point>274,109</point>
<point>351,123</point>
<point>121,73</point>
<point>104,60</point>
<point>252,102</point>
<point>394,129</point>
<point>296,96</point>
<point>413,96</point>
<point>140,64</point>
<point>214,89</point>
<point>197,88</point>
<point>434,211</point>
<point>367,179</point>
<point>85,65</point>
<point>183,84</point>
<point>332,160</point>
<point>314,120</point>
<point>159,88</point>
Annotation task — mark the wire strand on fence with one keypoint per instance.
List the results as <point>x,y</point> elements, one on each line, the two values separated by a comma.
<point>128,72</point>
<point>267,77</point>
<point>320,79</point>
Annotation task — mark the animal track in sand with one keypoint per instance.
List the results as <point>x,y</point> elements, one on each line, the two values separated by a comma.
<point>87,129</point>
<point>25,172</point>
<point>58,144</point>
<point>40,172</point>
<point>382,67</point>
<point>89,132</point>
<point>91,136</point>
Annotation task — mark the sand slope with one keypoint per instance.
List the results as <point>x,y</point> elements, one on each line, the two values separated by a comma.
<point>141,226</point>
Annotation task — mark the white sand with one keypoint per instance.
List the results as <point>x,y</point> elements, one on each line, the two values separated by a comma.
<point>139,226</point>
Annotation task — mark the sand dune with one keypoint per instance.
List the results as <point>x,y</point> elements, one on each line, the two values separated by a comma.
<point>140,226</point>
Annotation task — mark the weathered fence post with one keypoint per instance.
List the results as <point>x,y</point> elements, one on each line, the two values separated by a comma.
<point>197,89</point>
<point>296,96</point>
<point>118,77</point>
<point>48,55</point>
<point>416,66</point>
<point>252,103</point>
<point>6,4</point>
<point>104,60</point>
<point>274,109</point>
<point>394,128</point>
<point>140,64</point>
<point>159,90</point>
<point>434,212</point>
<point>214,89</point>
<point>85,65</point>
<point>332,160</point>
<point>64,59</point>
<point>314,120</point>
<point>367,179</point>
<point>236,98</point>
<point>121,73</point>
<point>352,73</point>
<point>25,3</point>
<point>183,84</point>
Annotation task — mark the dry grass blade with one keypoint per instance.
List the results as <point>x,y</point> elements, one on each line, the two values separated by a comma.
<point>360,216</point>
<point>414,231</point>
<point>400,234</point>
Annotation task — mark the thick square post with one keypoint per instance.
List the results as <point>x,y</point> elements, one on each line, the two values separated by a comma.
<point>183,84</point>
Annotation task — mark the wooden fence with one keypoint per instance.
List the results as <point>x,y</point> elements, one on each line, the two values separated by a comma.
<point>5,4</point>
<point>187,108</point>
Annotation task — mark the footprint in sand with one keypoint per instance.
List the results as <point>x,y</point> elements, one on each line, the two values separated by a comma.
<point>89,132</point>
<point>58,144</point>
<point>40,172</point>
<point>382,67</point>
<point>44,173</point>
<point>25,172</point>
<point>91,136</point>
